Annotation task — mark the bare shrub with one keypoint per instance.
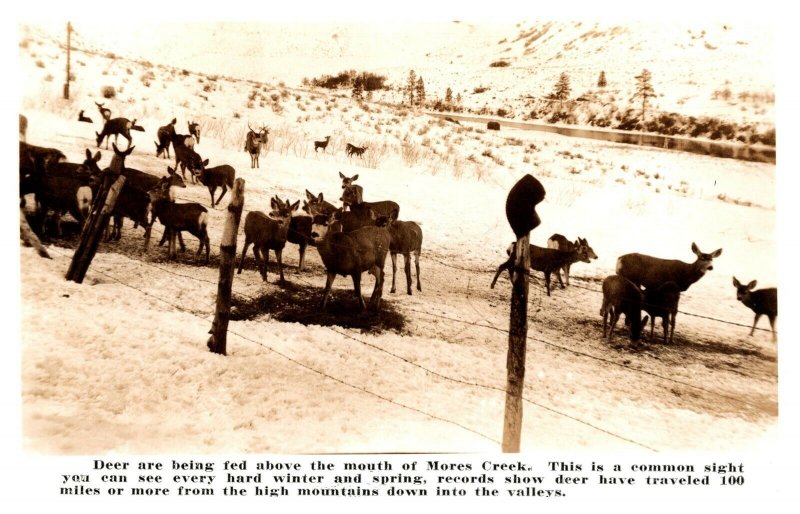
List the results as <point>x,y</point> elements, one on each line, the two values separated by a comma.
<point>108,92</point>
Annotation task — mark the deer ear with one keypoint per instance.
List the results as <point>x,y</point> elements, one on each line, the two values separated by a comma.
<point>320,197</point>
<point>695,250</point>
<point>342,176</point>
<point>717,253</point>
<point>88,154</point>
<point>309,195</point>
<point>295,205</point>
<point>736,283</point>
<point>273,203</point>
<point>205,163</point>
<point>751,285</point>
<point>170,170</point>
<point>355,177</point>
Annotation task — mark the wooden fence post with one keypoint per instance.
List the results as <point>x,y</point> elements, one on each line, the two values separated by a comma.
<point>521,215</point>
<point>517,342</point>
<point>94,227</point>
<point>217,343</point>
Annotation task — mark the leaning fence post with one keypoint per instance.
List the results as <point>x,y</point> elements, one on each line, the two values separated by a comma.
<point>521,215</point>
<point>94,227</point>
<point>217,343</point>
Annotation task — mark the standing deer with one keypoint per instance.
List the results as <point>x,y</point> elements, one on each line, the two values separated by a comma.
<point>255,140</point>
<point>105,112</point>
<point>352,253</point>
<point>762,301</point>
<point>194,129</point>
<point>165,136</point>
<point>662,302</point>
<point>546,260</point>
<point>652,272</point>
<point>322,144</point>
<point>116,127</point>
<point>559,242</point>
<point>267,233</point>
<point>406,239</point>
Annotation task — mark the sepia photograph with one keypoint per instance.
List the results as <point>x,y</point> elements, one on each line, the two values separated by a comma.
<point>288,236</point>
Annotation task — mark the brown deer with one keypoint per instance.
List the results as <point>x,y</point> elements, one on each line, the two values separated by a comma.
<point>268,232</point>
<point>105,112</point>
<point>652,272</point>
<point>322,144</point>
<point>406,239</point>
<point>84,119</point>
<point>315,205</point>
<point>621,296</point>
<point>762,301</point>
<point>194,129</point>
<point>546,260</point>
<point>352,198</point>
<point>254,142</point>
<point>559,242</point>
<point>165,136</point>
<point>177,217</point>
<point>116,127</point>
<point>352,253</point>
<point>662,302</point>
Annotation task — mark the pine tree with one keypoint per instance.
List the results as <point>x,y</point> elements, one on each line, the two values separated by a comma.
<point>562,89</point>
<point>410,87</point>
<point>601,82</point>
<point>420,92</point>
<point>644,90</point>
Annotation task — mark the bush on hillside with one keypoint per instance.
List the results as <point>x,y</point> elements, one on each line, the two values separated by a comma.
<point>108,92</point>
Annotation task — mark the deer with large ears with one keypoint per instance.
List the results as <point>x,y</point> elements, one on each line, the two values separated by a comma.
<point>652,272</point>
<point>254,142</point>
<point>105,112</point>
<point>116,127</point>
<point>762,301</point>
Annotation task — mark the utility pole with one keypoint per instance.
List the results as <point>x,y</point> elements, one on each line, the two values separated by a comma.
<point>66,83</point>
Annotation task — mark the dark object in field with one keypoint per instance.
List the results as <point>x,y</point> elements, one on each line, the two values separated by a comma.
<point>493,125</point>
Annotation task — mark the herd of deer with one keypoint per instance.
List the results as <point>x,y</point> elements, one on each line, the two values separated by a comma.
<point>350,239</point>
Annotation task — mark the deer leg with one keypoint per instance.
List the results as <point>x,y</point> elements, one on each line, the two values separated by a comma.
<point>665,324</point>
<point>772,326</point>
<point>755,321</point>
<point>416,262</point>
<point>500,269</point>
<point>180,241</point>
<point>558,275</point>
<point>357,288</point>
<point>208,245</point>
<point>614,318</point>
<point>257,255</point>
<point>407,261</point>
<point>244,252</point>
<point>377,293</point>
<point>302,264</point>
<point>266,263</point>
<point>224,190</point>
<point>279,255</point>
<point>604,313</point>
<point>566,272</point>
<point>394,271</point>
<point>652,326</point>
<point>672,326</point>
<point>547,282</point>
<point>171,251</point>
<point>147,229</point>
<point>328,285</point>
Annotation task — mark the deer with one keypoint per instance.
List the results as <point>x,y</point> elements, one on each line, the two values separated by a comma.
<point>621,296</point>
<point>218,176</point>
<point>352,198</point>
<point>194,130</point>
<point>406,239</point>
<point>165,136</point>
<point>559,242</point>
<point>315,205</point>
<point>322,144</point>
<point>761,301</point>
<point>134,200</point>
<point>352,150</point>
<point>662,302</point>
<point>177,217</point>
<point>546,260</point>
<point>254,142</point>
<point>348,182</point>
<point>84,119</point>
<point>105,112</point>
<point>69,187</point>
<point>268,232</point>
<point>352,253</point>
<point>651,272</point>
<point>186,157</point>
<point>116,127</point>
